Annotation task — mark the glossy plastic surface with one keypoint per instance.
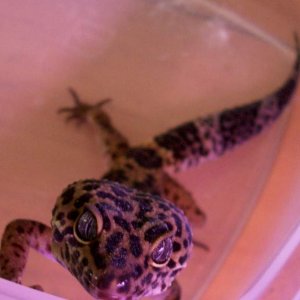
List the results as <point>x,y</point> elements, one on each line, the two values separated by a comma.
<point>164,62</point>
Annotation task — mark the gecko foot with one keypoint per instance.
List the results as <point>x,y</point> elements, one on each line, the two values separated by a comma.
<point>201,245</point>
<point>80,110</point>
<point>37,287</point>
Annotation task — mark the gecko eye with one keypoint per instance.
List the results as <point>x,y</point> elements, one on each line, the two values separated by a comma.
<point>87,227</point>
<point>162,252</point>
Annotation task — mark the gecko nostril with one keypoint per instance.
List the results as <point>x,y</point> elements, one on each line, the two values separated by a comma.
<point>58,237</point>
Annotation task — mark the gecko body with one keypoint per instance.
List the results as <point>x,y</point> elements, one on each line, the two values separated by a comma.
<point>128,234</point>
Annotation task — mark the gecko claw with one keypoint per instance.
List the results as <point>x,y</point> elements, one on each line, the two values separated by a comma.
<point>37,287</point>
<point>201,245</point>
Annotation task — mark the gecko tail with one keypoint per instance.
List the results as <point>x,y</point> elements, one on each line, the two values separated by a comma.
<point>210,137</point>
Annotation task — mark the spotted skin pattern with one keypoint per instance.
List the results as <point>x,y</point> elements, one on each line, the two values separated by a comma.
<point>118,235</point>
<point>120,260</point>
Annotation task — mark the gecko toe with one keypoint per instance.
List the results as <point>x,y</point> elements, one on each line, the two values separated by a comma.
<point>37,287</point>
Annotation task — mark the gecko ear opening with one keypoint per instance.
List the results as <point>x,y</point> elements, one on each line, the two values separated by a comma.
<point>87,226</point>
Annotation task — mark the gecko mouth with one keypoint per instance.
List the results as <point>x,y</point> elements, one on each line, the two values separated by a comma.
<point>109,294</point>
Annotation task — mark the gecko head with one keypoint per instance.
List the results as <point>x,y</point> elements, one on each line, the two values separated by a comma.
<point>119,242</point>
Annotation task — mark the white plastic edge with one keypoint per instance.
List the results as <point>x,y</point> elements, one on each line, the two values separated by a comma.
<point>13,291</point>
<point>277,264</point>
<point>233,18</point>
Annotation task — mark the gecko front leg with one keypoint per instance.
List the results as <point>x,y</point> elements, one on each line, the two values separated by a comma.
<point>19,236</point>
<point>115,142</point>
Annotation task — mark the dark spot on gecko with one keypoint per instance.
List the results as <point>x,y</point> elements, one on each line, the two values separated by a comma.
<point>18,246</point>
<point>176,246</point>
<point>79,202</point>
<point>183,259</point>
<point>166,191</point>
<point>178,140</point>
<point>164,206</point>
<point>164,274</point>
<point>122,223</point>
<point>145,157</point>
<point>176,197</point>
<point>68,195</point>
<point>145,207</point>
<point>146,262</point>
<point>102,206</point>
<point>67,253</point>
<point>188,133</point>
<point>185,243</point>
<point>119,258</point>
<point>155,284</point>
<point>139,291</point>
<point>129,166</point>
<point>58,237</point>
<point>17,254</point>
<point>117,175</point>
<point>106,222</point>
<point>119,191</point>
<point>113,241</point>
<point>169,141</point>
<point>178,225</point>
<point>156,269</point>
<point>154,232</point>
<point>68,230</point>
<point>85,261</point>
<point>123,204</point>
<point>91,186</point>
<point>207,135</point>
<point>42,228</point>
<point>147,279</point>
<point>161,216</point>
<point>189,233</point>
<point>105,195</point>
<point>237,125</point>
<point>137,272</point>
<point>20,229</point>
<point>171,264</point>
<point>146,184</point>
<point>73,214</point>
<point>169,225</point>
<point>30,229</point>
<point>99,259</point>
<point>142,221</point>
<point>284,94</point>
<point>73,242</point>
<point>60,215</point>
<point>135,245</point>
<point>174,273</point>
